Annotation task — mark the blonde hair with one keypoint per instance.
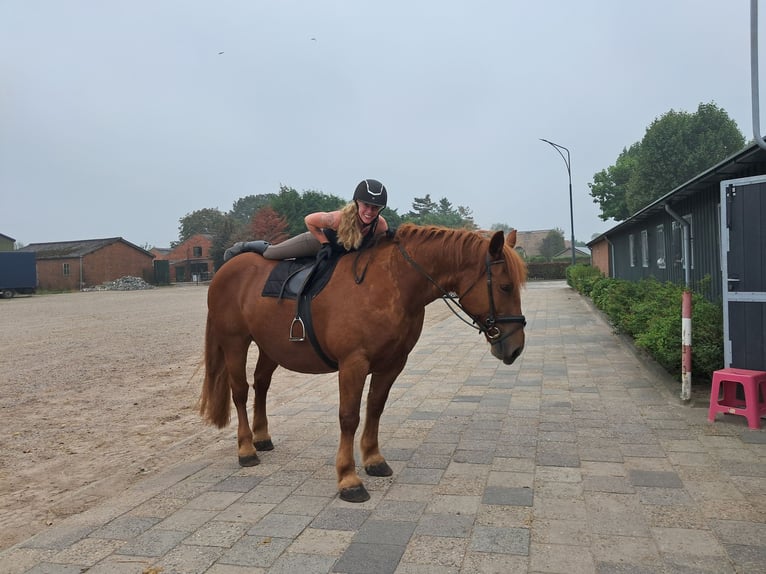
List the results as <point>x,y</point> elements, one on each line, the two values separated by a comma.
<point>349,234</point>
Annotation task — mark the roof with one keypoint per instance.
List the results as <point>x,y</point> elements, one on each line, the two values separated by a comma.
<point>747,162</point>
<point>532,241</point>
<point>3,236</point>
<point>568,253</point>
<point>79,248</point>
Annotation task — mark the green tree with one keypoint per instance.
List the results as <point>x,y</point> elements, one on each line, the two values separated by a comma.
<point>245,207</point>
<point>609,187</point>
<point>227,235</point>
<point>552,243</point>
<point>427,212</point>
<point>676,147</point>
<point>294,206</point>
<point>208,220</point>
<point>423,210</point>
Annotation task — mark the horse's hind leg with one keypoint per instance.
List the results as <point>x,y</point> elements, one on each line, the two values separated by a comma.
<point>236,359</point>
<point>264,369</point>
<point>372,460</point>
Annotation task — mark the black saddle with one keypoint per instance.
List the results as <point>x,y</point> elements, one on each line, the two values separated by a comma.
<point>301,279</point>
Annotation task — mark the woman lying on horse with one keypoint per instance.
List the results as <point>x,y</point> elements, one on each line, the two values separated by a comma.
<point>348,229</point>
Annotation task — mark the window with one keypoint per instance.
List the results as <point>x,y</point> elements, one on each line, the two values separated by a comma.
<point>632,247</point>
<point>678,242</point>
<point>644,248</point>
<point>661,246</point>
<point>66,269</point>
<point>197,251</point>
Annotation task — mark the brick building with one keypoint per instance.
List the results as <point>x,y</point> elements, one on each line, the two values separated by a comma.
<point>190,260</point>
<point>73,265</point>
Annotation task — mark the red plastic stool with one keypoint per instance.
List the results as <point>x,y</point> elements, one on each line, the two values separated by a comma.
<point>723,395</point>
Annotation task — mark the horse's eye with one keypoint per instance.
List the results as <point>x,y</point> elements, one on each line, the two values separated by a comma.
<point>506,288</point>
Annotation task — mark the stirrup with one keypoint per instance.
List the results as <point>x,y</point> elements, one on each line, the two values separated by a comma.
<point>293,336</point>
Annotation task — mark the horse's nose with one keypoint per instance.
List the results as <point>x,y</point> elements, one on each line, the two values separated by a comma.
<point>513,357</point>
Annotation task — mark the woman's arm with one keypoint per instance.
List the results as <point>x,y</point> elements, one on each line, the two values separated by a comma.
<point>315,222</point>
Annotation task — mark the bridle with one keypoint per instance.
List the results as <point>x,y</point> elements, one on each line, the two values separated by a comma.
<point>489,327</point>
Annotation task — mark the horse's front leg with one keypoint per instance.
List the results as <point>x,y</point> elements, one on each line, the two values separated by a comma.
<point>264,369</point>
<point>351,380</point>
<point>373,461</point>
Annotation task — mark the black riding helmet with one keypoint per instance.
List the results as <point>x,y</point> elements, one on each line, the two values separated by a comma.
<point>371,191</point>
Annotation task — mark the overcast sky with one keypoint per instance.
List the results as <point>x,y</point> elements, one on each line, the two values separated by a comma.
<point>117,118</point>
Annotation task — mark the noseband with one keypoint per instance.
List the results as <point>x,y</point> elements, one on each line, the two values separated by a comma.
<point>489,327</point>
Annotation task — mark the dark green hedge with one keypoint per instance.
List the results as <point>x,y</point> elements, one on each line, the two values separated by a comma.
<point>650,312</point>
<point>547,270</point>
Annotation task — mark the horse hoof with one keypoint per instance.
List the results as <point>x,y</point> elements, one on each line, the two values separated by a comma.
<point>249,460</point>
<point>355,494</point>
<point>380,469</point>
<point>264,445</point>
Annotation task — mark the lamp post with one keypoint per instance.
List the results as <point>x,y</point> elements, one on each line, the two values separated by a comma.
<point>558,148</point>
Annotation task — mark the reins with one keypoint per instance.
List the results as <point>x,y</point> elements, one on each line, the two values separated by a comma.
<point>489,326</point>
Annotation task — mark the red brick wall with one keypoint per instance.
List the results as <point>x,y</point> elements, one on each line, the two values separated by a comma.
<point>185,250</point>
<point>107,264</point>
<point>182,257</point>
<point>599,254</point>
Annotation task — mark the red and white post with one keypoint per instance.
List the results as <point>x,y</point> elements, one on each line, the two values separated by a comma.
<point>686,341</point>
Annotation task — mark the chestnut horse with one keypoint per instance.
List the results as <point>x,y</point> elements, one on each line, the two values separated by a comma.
<point>367,319</point>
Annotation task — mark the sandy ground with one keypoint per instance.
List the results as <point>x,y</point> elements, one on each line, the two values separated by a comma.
<point>98,390</point>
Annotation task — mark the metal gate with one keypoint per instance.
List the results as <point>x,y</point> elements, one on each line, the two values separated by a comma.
<point>743,272</point>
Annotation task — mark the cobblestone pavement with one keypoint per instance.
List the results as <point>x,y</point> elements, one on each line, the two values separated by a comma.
<point>579,458</point>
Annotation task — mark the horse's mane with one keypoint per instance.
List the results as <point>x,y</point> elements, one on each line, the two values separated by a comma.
<point>454,244</point>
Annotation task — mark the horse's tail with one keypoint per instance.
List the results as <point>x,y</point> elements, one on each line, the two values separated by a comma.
<point>215,399</point>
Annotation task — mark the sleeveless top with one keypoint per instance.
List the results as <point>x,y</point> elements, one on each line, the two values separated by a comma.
<point>367,238</point>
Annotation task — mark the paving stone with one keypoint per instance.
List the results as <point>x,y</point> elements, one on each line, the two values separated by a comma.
<point>280,525</point>
<point>558,459</point>
<point>497,495</point>
<point>303,563</point>
<point>57,539</point>
<point>335,518</point>
<point>615,484</point>
<point>124,528</point>
<point>447,525</point>
<point>365,558</point>
<point>217,533</point>
<point>654,478</point>
<point>188,559</point>
<point>255,551</point>
<point>152,543</point>
<point>500,540</point>
<point>436,551</point>
<point>420,476</point>
<point>398,510</point>
<point>687,541</point>
<point>560,558</point>
<point>747,558</point>
<point>238,483</point>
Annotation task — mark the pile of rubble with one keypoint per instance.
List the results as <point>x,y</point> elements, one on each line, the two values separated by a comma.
<point>126,283</point>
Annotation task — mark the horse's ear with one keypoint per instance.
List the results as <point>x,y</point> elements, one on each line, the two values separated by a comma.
<point>510,239</point>
<point>496,245</point>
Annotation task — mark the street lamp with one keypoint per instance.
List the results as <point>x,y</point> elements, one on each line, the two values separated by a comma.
<point>558,148</point>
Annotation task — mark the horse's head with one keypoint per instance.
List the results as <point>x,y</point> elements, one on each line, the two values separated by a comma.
<point>497,307</point>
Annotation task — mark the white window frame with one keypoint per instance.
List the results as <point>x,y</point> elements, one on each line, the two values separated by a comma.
<point>644,248</point>
<point>660,251</point>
